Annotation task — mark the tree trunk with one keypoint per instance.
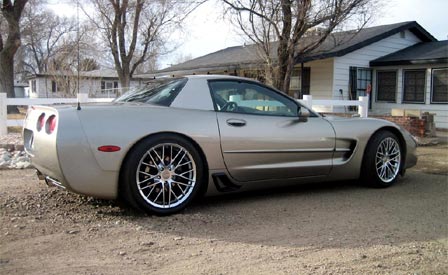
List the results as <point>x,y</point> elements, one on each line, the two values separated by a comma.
<point>11,11</point>
<point>287,77</point>
<point>7,79</point>
<point>124,77</point>
<point>7,75</point>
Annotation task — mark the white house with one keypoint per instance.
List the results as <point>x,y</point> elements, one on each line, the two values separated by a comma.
<point>343,67</point>
<point>97,83</point>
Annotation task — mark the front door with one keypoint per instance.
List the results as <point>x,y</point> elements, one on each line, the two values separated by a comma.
<point>262,137</point>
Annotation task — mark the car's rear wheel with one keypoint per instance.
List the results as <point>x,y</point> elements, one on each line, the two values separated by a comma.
<point>382,160</point>
<point>162,174</point>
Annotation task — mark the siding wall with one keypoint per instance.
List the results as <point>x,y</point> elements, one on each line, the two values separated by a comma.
<point>321,81</point>
<point>362,57</point>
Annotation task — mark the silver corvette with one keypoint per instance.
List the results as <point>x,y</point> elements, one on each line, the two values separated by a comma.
<point>161,146</point>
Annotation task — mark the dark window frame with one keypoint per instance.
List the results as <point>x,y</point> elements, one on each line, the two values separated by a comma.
<point>54,86</point>
<point>432,86</point>
<point>403,100</point>
<point>33,86</point>
<point>377,92</point>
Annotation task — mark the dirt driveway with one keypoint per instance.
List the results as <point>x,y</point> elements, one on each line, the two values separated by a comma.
<point>310,229</point>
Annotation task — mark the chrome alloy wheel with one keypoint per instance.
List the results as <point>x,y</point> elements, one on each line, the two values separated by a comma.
<point>388,159</point>
<point>166,175</point>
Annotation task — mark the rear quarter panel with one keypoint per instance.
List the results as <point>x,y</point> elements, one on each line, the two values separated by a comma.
<point>126,125</point>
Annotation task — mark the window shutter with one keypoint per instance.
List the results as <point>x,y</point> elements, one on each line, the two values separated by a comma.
<point>352,82</point>
<point>103,85</point>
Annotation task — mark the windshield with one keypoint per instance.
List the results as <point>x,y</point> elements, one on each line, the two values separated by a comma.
<point>159,92</point>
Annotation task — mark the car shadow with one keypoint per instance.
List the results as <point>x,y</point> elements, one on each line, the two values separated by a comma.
<point>333,214</point>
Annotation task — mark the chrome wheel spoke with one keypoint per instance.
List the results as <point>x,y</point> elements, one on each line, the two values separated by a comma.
<point>178,153</point>
<point>186,172</point>
<point>157,154</point>
<point>169,181</point>
<point>149,164</point>
<point>158,195</point>
<point>146,180</point>
<point>387,159</point>
<point>180,176</point>
<point>172,192</point>
<point>153,161</point>
<point>152,189</point>
<point>185,163</point>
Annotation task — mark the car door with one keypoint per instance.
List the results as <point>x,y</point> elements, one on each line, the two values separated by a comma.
<point>262,136</point>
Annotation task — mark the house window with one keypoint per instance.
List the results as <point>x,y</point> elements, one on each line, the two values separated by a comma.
<point>108,86</point>
<point>360,79</point>
<point>53,86</point>
<point>386,86</point>
<point>440,85</point>
<point>414,86</point>
<point>296,84</point>
<point>60,86</point>
<point>33,86</point>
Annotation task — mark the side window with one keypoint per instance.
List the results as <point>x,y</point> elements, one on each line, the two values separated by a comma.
<point>250,98</point>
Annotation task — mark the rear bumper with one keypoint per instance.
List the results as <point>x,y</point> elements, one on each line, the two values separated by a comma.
<point>65,159</point>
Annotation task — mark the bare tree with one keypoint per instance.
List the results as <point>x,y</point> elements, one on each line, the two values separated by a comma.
<point>45,35</point>
<point>88,64</point>
<point>11,13</point>
<point>285,30</point>
<point>135,31</point>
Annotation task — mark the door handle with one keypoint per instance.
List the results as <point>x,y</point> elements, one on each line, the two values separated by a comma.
<point>236,122</point>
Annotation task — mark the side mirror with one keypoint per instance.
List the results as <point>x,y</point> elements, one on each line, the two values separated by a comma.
<point>304,114</point>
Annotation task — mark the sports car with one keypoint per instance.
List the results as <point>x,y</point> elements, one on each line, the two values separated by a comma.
<point>177,139</point>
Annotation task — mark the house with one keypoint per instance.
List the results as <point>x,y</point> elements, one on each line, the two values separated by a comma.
<point>351,64</point>
<point>20,89</point>
<point>413,78</point>
<point>96,83</point>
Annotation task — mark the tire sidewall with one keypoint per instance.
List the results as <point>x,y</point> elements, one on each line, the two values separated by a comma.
<point>132,162</point>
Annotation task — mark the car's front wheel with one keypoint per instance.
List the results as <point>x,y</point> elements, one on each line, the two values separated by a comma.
<point>382,160</point>
<point>162,174</point>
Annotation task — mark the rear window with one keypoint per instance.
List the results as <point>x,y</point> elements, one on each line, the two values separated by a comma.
<point>160,92</point>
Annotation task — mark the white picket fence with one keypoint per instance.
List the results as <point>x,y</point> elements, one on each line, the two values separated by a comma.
<point>362,104</point>
<point>4,102</point>
<point>315,104</point>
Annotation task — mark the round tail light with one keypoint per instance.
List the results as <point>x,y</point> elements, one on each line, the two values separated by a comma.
<point>51,124</point>
<point>40,122</point>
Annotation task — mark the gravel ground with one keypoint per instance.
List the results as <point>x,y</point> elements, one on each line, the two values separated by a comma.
<point>330,228</point>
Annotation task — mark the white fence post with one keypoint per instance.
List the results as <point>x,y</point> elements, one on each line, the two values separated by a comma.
<point>363,106</point>
<point>3,115</point>
<point>83,97</point>
<point>308,100</point>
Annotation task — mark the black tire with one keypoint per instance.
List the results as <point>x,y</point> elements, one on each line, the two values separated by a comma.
<point>382,161</point>
<point>167,186</point>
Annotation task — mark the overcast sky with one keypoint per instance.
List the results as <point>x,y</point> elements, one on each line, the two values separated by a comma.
<point>206,31</point>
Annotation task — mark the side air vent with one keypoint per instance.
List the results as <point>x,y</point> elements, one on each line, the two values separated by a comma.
<point>344,149</point>
<point>223,183</point>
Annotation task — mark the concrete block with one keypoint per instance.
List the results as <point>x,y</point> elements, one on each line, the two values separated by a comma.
<point>397,112</point>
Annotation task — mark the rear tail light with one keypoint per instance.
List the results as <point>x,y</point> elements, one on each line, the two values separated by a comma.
<point>40,122</point>
<point>51,124</point>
